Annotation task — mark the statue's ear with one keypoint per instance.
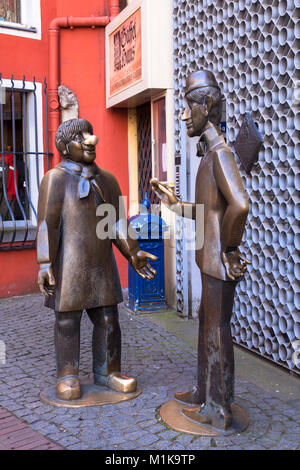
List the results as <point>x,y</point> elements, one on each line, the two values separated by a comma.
<point>208,104</point>
<point>62,148</point>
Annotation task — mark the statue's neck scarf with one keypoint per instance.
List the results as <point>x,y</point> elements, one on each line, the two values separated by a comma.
<point>86,174</point>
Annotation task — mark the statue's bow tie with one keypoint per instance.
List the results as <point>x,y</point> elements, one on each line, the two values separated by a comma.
<point>201,148</point>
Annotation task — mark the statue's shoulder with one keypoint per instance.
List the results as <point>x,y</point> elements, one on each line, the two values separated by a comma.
<point>223,155</point>
<point>53,176</point>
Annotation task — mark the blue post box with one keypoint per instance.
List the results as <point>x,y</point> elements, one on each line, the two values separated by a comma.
<point>148,295</point>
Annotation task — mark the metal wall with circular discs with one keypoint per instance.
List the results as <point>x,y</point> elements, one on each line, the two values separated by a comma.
<point>253,49</point>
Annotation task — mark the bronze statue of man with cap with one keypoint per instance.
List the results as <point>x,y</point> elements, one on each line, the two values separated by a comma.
<point>220,189</point>
<point>77,266</point>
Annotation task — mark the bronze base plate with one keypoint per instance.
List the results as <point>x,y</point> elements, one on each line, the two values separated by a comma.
<point>91,395</point>
<point>171,414</point>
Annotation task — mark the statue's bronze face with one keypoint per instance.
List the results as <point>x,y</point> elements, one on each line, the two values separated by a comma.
<point>81,148</point>
<point>195,116</point>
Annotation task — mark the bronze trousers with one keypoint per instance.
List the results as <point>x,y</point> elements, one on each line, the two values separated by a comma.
<point>106,342</point>
<point>215,348</point>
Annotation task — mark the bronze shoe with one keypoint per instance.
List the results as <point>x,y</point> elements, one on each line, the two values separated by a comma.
<point>68,388</point>
<point>219,420</point>
<point>117,382</point>
<point>192,397</point>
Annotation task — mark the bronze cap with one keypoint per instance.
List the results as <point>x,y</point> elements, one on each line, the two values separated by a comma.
<point>200,79</point>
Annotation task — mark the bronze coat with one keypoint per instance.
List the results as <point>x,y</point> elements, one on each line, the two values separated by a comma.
<point>84,266</point>
<point>220,188</point>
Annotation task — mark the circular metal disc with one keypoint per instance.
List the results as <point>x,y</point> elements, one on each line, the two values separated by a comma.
<point>91,395</point>
<point>171,414</point>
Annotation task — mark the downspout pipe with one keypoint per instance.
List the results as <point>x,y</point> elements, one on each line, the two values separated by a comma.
<point>54,63</point>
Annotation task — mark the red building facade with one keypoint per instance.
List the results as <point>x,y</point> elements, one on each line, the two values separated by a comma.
<point>74,58</point>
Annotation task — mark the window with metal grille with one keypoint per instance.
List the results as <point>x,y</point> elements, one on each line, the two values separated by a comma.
<point>144,151</point>
<point>22,160</point>
<point>145,170</point>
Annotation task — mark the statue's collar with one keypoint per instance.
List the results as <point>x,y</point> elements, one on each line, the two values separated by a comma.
<point>211,137</point>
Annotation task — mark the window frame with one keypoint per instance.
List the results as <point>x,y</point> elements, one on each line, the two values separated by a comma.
<point>168,95</point>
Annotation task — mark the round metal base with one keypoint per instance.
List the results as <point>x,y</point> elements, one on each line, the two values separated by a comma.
<point>91,395</point>
<point>172,415</point>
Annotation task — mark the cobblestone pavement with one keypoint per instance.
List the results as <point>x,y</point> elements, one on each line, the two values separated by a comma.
<point>161,363</point>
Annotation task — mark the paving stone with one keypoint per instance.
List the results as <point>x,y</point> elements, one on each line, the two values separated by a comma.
<point>117,440</point>
<point>148,422</point>
<point>79,446</point>
<point>169,435</point>
<point>161,445</point>
<point>133,436</point>
<point>156,428</point>
<point>68,441</point>
<point>146,441</point>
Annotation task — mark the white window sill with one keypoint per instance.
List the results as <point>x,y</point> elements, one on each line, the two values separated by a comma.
<point>19,30</point>
<point>18,27</point>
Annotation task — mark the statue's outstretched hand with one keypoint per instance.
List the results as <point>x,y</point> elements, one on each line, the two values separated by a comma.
<point>164,192</point>
<point>235,264</point>
<point>141,266</point>
<point>46,280</point>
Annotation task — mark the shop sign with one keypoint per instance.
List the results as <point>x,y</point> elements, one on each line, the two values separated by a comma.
<point>125,54</point>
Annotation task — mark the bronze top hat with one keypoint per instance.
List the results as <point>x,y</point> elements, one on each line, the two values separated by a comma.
<point>200,79</point>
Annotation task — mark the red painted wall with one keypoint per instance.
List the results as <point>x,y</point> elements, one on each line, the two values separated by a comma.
<point>18,273</point>
<point>27,56</point>
<point>82,70</point>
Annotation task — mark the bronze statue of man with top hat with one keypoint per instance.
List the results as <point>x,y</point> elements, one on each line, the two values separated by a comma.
<point>220,189</point>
